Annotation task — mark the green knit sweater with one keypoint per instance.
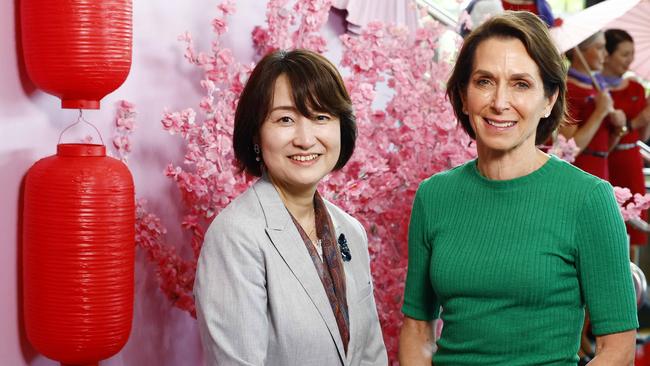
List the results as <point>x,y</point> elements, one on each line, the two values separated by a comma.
<point>513,264</point>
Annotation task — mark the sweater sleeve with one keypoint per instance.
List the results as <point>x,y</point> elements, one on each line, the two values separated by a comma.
<point>419,298</point>
<point>603,263</point>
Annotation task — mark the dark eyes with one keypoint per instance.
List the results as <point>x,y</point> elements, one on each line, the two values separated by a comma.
<point>317,118</point>
<point>488,82</point>
<point>522,85</point>
<point>483,82</point>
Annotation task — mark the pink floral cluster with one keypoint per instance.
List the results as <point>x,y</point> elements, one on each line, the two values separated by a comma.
<point>282,31</point>
<point>175,274</point>
<point>207,178</point>
<point>124,127</point>
<point>414,136</point>
<point>631,205</point>
<point>563,149</point>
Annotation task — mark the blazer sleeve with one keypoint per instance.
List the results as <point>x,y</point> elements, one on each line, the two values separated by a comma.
<point>374,353</point>
<point>231,297</point>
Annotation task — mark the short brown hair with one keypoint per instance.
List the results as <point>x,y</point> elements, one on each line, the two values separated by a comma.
<point>316,86</point>
<point>534,35</point>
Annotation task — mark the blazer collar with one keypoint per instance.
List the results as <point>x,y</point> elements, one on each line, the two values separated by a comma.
<point>275,213</point>
<point>287,241</point>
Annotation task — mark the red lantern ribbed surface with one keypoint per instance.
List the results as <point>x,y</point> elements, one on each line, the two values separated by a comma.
<point>78,50</point>
<point>78,254</point>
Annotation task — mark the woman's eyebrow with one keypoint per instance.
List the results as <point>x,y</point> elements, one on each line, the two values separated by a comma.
<point>289,108</point>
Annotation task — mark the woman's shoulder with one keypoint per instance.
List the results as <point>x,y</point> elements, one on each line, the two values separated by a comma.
<point>577,88</point>
<point>240,213</point>
<point>444,187</point>
<point>341,215</point>
<point>236,235</point>
<point>448,177</point>
<point>568,175</point>
<point>634,85</point>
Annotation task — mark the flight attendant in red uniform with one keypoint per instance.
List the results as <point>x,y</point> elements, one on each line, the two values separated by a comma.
<point>596,126</point>
<point>479,13</point>
<point>541,8</point>
<point>625,162</point>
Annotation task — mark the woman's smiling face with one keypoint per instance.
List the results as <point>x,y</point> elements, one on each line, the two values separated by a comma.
<point>505,97</point>
<point>298,151</point>
<point>621,59</point>
<point>595,53</point>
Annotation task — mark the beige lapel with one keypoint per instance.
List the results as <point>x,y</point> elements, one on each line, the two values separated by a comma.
<point>289,244</point>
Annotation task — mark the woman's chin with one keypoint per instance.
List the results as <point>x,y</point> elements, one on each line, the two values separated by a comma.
<point>298,182</point>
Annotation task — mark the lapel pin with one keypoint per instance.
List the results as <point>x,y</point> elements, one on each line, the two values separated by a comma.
<point>345,250</point>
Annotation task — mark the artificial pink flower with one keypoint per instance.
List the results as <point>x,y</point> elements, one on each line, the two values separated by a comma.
<point>227,7</point>
<point>122,143</point>
<point>563,149</point>
<point>219,26</point>
<point>127,123</point>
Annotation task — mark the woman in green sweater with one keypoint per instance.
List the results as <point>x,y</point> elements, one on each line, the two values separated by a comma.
<point>515,245</point>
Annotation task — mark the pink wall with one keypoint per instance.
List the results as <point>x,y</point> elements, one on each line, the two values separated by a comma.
<point>30,123</point>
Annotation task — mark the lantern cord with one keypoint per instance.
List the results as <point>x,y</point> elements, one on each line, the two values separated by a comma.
<point>80,119</point>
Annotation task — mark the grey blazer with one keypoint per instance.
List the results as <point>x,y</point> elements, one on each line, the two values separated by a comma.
<point>259,299</point>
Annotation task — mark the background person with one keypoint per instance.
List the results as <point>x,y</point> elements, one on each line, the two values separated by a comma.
<point>595,125</point>
<point>628,95</point>
<point>481,10</point>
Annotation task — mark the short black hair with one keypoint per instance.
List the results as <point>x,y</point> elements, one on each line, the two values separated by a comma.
<point>316,86</point>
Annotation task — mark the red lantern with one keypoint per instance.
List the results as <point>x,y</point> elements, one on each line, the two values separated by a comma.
<point>77,50</point>
<point>78,254</point>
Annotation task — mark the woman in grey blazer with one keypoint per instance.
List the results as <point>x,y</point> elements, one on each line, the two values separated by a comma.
<point>283,277</point>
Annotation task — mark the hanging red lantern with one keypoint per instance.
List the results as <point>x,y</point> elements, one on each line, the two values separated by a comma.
<point>78,254</point>
<point>77,50</point>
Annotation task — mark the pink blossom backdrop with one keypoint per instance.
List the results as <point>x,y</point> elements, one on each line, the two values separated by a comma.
<point>413,136</point>
<point>161,335</point>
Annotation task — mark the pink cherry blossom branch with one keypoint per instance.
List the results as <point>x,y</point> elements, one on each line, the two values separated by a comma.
<point>631,205</point>
<point>410,138</point>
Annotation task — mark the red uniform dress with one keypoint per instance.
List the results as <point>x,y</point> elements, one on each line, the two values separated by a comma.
<point>581,104</point>
<point>523,7</point>
<point>625,162</point>
<point>545,13</point>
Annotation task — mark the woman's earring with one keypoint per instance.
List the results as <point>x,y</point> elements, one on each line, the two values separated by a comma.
<point>256,148</point>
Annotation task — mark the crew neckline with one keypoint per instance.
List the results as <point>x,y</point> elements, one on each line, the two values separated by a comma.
<point>515,182</point>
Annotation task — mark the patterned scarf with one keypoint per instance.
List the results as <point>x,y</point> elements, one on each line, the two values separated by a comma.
<point>330,269</point>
